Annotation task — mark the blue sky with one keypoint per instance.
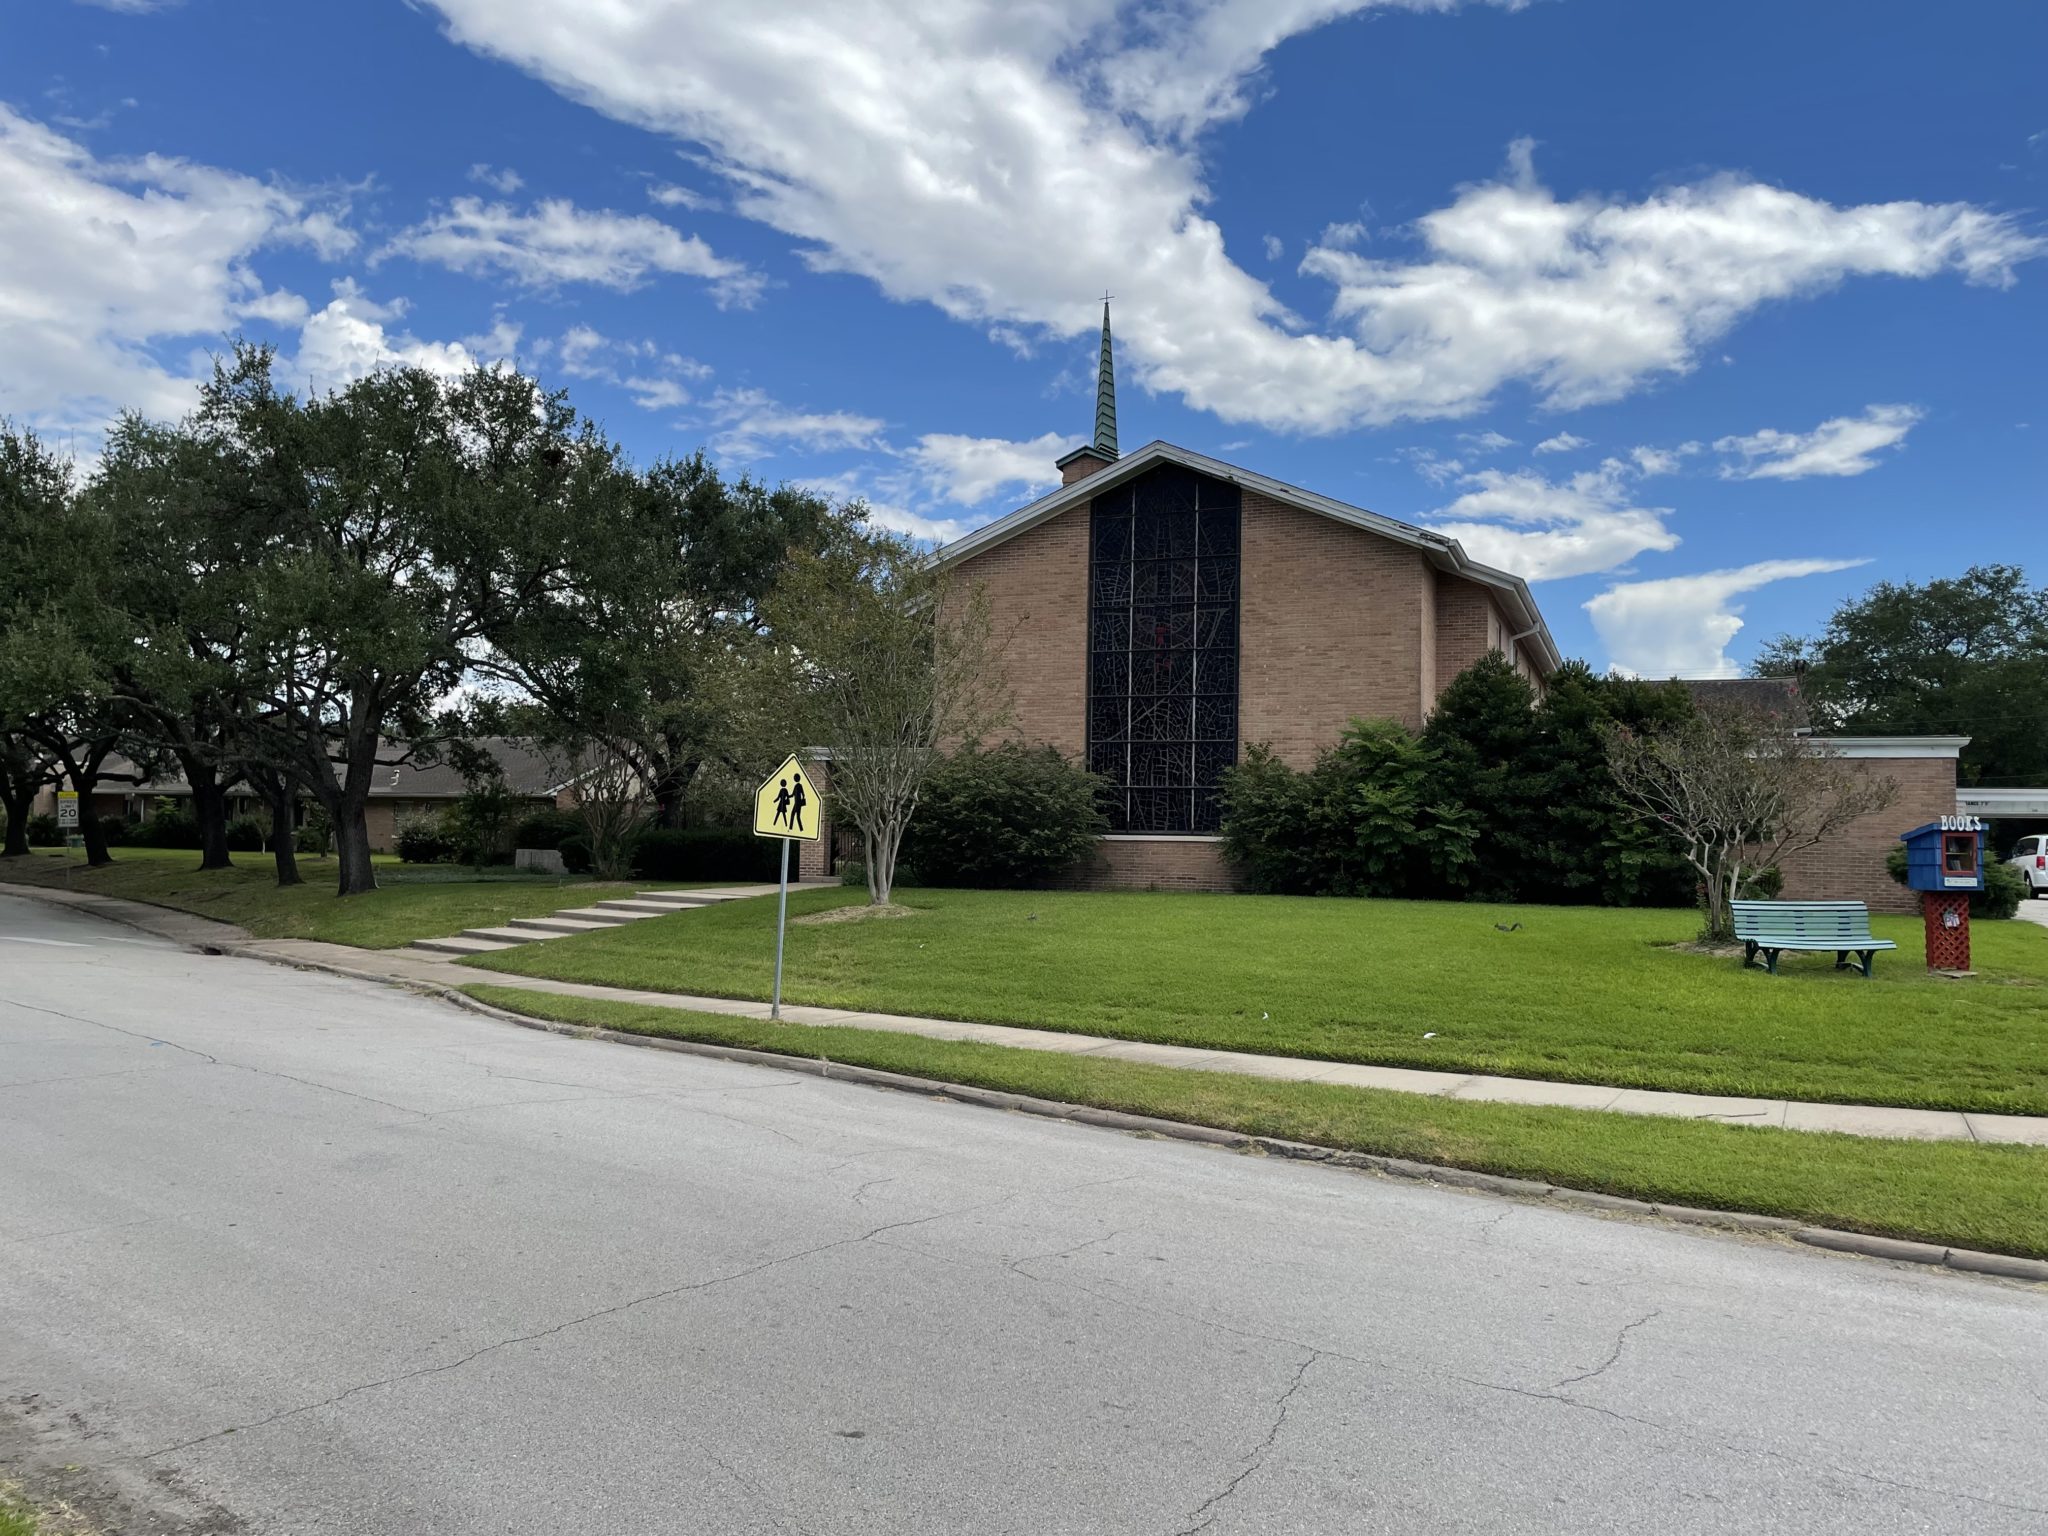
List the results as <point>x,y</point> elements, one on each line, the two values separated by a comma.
<point>1702,317</point>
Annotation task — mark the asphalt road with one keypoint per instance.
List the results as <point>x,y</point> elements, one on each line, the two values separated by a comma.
<point>338,1260</point>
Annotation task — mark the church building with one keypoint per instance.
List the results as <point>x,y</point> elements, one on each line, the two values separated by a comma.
<point>1163,610</point>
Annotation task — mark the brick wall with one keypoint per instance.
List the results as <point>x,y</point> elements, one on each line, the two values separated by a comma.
<point>382,820</point>
<point>1331,627</point>
<point>1153,863</point>
<point>1037,586</point>
<point>1850,867</point>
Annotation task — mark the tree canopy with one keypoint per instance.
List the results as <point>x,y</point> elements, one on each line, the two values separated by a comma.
<point>1963,655</point>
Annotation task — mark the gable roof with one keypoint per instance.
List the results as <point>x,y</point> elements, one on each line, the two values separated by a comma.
<point>1445,553</point>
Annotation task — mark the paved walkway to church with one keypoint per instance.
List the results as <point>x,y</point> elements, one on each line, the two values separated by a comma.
<point>417,969</point>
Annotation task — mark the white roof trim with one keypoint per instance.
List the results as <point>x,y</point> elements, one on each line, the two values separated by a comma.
<point>1446,554</point>
<point>1949,747</point>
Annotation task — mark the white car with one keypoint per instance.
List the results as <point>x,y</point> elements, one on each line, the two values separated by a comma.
<point>2030,858</point>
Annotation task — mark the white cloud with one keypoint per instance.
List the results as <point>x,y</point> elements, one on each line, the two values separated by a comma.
<point>112,266</point>
<point>883,510</point>
<point>502,180</point>
<point>1543,529</point>
<point>668,195</point>
<point>348,340</point>
<point>1681,626</point>
<point>749,422</point>
<point>556,242</point>
<point>657,379</point>
<point>1275,248</point>
<point>1662,461</point>
<point>1485,442</point>
<point>1846,445</point>
<point>970,470</point>
<point>1564,442</point>
<point>1344,236</point>
<point>930,145</point>
<point>131,7</point>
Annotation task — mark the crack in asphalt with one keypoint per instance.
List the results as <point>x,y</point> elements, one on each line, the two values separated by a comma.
<point>1203,1515</point>
<point>132,1034</point>
<point>576,1322</point>
<point>1016,1266</point>
<point>1620,1342</point>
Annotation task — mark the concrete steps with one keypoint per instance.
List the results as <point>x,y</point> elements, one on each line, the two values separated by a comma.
<point>592,919</point>
<point>462,944</point>
<point>555,927</point>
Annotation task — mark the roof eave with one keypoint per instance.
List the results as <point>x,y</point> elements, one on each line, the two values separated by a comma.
<point>1445,553</point>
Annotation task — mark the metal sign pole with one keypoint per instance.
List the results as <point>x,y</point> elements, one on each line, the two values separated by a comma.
<point>781,923</point>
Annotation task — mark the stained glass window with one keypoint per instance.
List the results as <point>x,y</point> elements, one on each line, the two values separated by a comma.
<point>1162,638</point>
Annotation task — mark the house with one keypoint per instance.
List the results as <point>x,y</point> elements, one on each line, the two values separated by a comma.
<point>400,792</point>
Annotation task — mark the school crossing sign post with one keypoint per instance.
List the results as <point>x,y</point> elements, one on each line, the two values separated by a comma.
<point>787,806</point>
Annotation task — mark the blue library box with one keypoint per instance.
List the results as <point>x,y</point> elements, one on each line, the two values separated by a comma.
<point>1946,855</point>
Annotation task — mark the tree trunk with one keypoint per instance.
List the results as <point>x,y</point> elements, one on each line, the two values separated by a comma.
<point>671,784</point>
<point>210,810</point>
<point>276,790</point>
<point>16,806</point>
<point>352,847</point>
<point>84,778</point>
<point>1720,918</point>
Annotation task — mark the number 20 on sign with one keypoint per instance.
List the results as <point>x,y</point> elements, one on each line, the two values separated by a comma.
<point>786,806</point>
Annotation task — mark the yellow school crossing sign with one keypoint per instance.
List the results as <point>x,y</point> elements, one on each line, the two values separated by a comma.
<point>787,804</point>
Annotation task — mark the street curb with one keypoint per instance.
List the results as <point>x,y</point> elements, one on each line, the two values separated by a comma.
<point>1963,1260</point>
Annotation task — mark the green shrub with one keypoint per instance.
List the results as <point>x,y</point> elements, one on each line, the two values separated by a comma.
<point>482,821</point>
<point>43,832</point>
<point>171,824</point>
<point>247,834</point>
<point>855,872</point>
<point>546,829</point>
<point>703,853</point>
<point>317,835</point>
<point>114,830</point>
<point>1762,885</point>
<point>575,851</point>
<point>423,839</point>
<point>1003,818</point>
<point>2004,887</point>
<point>1372,818</point>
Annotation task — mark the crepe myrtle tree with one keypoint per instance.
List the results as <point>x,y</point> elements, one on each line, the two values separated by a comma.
<point>886,659</point>
<point>1743,789</point>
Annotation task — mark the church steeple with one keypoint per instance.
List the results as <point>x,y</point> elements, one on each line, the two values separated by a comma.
<point>1105,392</point>
<point>1101,452</point>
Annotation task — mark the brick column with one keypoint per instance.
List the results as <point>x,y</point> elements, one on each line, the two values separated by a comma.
<point>815,861</point>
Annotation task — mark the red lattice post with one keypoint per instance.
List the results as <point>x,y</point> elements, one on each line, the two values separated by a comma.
<point>1948,930</point>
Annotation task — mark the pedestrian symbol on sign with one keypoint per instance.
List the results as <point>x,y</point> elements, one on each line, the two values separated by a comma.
<point>786,804</point>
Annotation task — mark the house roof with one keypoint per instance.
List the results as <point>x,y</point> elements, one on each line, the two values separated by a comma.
<point>1770,695</point>
<point>1445,553</point>
<point>527,770</point>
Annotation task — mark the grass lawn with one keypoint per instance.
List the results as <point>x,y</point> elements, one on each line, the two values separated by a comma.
<point>1575,993</point>
<point>412,901</point>
<point>1955,1193</point>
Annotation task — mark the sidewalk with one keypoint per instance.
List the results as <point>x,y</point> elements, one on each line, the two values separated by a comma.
<point>419,969</point>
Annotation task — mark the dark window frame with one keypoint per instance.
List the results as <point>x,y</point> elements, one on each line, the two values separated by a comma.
<point>1165,584</point>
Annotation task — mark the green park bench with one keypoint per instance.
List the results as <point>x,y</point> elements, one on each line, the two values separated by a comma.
<point>1769,928</point>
